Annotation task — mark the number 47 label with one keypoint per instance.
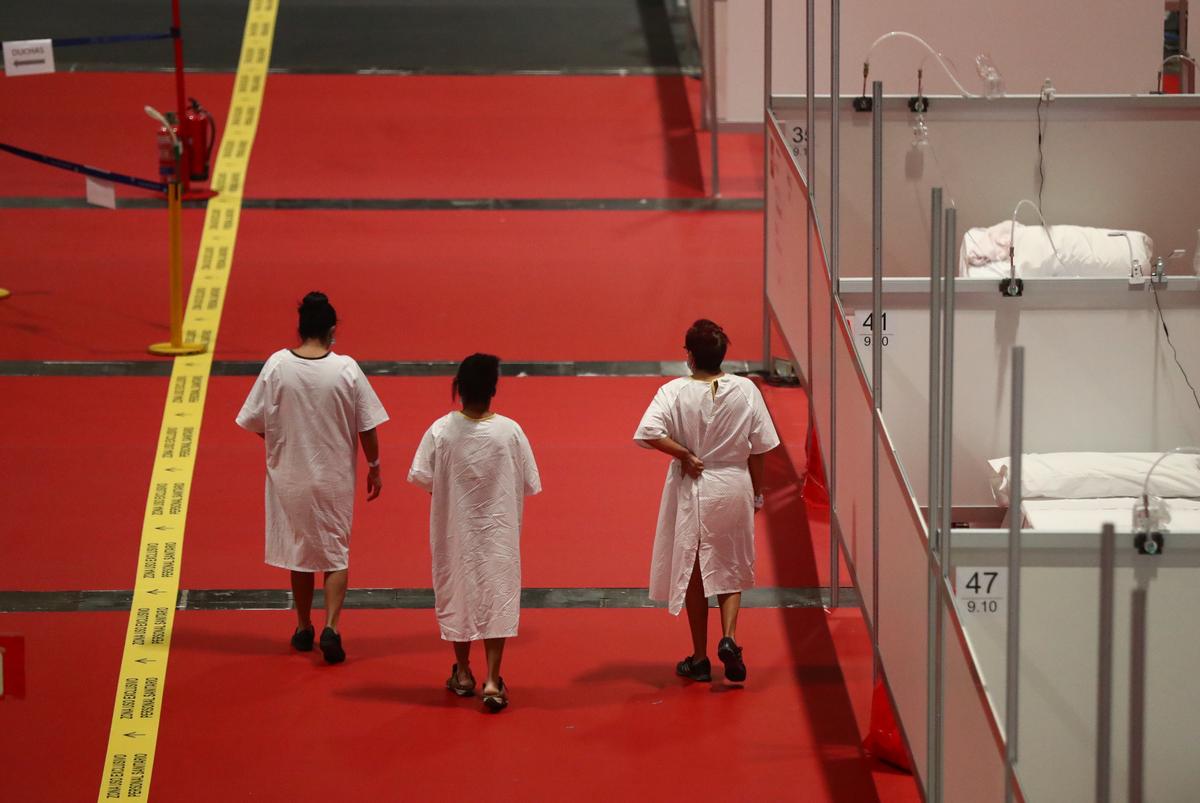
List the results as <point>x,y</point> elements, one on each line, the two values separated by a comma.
<point>864,328</point>
<point>981,591</point>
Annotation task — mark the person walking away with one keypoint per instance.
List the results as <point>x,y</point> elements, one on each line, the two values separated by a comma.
<point>479,468</point>
<point>717,428</point>
<point>313,408</point>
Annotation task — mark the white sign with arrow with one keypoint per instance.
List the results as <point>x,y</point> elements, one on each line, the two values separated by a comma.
<point>28,57</point>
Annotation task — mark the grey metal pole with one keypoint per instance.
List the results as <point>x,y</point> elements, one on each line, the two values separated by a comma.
<point>1138,609</point>
<point>1012,665</point>
<point>809,178</point>
<point>714,125</point>
<point>835,13</point>
<point>933,517</point>
<point>1104,679</point>
<point>946,439</point>
<point>768,47</point>
<point>876,343</point>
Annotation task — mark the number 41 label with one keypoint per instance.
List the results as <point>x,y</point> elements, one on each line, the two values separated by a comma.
<point>981,591</point>
<point>863,323</point>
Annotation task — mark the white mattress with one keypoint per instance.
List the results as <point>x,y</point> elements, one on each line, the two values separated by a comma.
<point>1087,515</point>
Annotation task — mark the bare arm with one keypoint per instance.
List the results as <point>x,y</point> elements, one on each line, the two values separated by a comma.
<point>756,464</point>
<point>370,447</point>
<point>690,464</point>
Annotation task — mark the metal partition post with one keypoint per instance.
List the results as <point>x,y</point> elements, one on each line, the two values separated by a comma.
<point>876,343</point>
<point>809,162</point>
<point>946,439</point>
<point>933,731</point>
<point>1104,679</point>
<point>714,125</point>
<point>1012,666</point>
<point>834,195</point>
<point>768,45</point>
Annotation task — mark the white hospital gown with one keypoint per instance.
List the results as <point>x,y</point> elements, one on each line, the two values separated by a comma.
<point>310,412</point>
<point>722,422</point>
<point>479,473</point>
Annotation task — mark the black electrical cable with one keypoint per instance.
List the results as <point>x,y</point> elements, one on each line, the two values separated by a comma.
<point>1167,332</point>
<point>1041,155</point>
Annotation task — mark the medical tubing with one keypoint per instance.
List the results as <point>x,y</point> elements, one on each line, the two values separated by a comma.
<point>1012,237</point>
<point>940,59</point>
<point>1154,465</point>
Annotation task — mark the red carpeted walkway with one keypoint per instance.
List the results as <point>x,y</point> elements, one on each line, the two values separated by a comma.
<point>325,136</point>
<point>597,713</point>
<point>92,284</point>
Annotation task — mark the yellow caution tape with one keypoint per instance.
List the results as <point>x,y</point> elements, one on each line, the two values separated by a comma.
<point>129,762</point>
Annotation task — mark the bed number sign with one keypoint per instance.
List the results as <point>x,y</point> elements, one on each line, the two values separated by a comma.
<point>981,591</point>
<point>864,321</point>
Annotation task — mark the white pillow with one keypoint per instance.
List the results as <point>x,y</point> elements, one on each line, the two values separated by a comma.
<point>1093,475</point>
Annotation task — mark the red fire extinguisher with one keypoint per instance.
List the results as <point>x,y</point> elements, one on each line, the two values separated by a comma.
<point>198,135</point>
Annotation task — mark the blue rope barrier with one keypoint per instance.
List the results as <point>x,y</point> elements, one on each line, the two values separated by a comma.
<point>114,39</point>
<point>94,172</point>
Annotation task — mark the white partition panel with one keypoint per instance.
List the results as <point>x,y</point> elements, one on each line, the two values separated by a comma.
<point>854,500</point>
<point>1100,375</point>
<point>1154,675</point>
<point>1110,46</point>
<point>820,370</point>
<point>787,249</point>
<point>1112,162</point>
<point>903,625</point>
<point>973,752</point>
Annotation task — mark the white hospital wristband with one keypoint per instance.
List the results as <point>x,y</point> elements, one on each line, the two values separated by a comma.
<point>373,465</point>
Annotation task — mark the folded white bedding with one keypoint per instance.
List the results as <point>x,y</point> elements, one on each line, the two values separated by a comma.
<point>1090,515</point>
<point>1090,475</point>
<point>1084,251</point>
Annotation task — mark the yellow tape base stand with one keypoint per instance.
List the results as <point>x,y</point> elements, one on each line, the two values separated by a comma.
<point>129,762</point>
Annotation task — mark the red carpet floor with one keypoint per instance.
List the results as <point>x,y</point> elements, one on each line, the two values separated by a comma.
<point>395,136</point>
<point>590,527</point>
<point>408,285</point>
<point>597,713</point>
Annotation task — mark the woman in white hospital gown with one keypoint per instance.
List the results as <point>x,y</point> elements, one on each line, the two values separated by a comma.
<point>717,428</point>
<point>313,408</point>
<point>479,468</point>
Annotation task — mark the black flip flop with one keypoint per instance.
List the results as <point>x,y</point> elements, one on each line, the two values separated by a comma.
<point>453,685</point>
<point>496,702</point>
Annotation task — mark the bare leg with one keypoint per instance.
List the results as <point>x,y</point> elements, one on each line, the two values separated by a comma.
<point>730,605</point>
<point>335,595</point>
<point>697,613</point>
<point>302,597</point>
<point>494,648</point>
<point>462,657</point>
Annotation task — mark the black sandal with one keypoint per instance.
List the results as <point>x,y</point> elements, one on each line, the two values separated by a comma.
<point>496,702</point>
<point>453,685</point>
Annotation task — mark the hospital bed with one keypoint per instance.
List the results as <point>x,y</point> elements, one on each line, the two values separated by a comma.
<point>1083,491</point>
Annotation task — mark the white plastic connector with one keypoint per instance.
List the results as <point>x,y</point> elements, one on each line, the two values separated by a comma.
<point>1048,91</point>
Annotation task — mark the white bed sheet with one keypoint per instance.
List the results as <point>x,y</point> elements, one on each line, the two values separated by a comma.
<point>1088,515</point>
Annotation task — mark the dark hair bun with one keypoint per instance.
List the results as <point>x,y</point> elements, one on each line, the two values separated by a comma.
<point>317,316</point>
<point>707,342</point>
